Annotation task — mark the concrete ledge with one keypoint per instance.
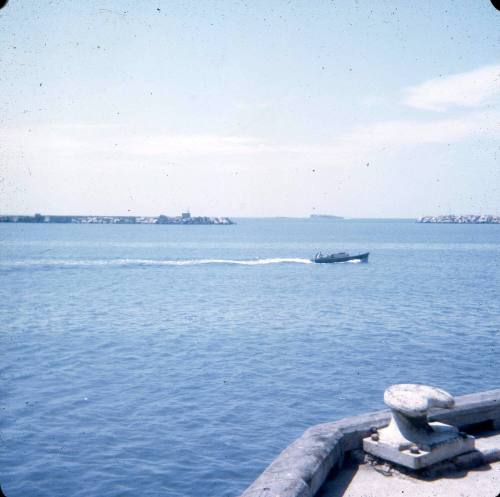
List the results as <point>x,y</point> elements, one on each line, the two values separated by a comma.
<point>301,469</point>
<point>472,409</point>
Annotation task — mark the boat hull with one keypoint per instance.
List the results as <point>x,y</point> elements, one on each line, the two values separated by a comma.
<point>347,258</point>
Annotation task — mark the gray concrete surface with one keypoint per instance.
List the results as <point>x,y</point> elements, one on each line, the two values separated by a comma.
<point>301,469</point>
<point>368,480</point>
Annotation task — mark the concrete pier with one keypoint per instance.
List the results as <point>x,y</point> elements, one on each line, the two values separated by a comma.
<point>320,453</point>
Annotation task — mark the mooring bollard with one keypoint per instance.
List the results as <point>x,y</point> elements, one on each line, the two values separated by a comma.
<point>410,440</point>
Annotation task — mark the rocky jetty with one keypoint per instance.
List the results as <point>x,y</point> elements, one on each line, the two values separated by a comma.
<point>184,218</point>
<point>467,219</point>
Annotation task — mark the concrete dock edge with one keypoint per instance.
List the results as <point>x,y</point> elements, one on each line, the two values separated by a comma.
<point>301,469</point>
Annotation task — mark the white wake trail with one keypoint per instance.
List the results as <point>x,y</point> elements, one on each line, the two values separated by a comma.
<point>148,262</point>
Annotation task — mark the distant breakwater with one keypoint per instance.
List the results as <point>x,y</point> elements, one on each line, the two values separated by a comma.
<point>467,219</point>
<point>184,218</point>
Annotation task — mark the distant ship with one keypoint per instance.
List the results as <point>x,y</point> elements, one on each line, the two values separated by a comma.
<point>324,216</point>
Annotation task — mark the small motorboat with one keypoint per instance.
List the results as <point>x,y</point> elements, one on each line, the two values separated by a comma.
<point>340,257</point>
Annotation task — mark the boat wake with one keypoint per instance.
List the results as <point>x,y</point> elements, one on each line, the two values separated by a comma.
<point>241,262</point>
<point>54,263</point>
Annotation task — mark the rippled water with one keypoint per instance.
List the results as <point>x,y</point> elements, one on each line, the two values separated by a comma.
<point>180,360</point>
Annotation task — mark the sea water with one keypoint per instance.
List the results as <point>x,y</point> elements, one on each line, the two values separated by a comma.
<point>180,360</point>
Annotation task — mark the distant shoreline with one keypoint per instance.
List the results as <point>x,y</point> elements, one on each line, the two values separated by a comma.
<point>184,219</point>
<point>325,216</point>
<point>187,219</point>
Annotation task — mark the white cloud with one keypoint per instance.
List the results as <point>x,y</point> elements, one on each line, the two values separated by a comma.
<point>78,168</point>
<point>403,133</point>
<point>106,143</point>
<point>468,89</point>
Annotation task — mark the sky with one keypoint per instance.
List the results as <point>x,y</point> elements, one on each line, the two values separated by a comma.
<point>250,108</point>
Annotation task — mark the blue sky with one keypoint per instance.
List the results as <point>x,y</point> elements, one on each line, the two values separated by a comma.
<point>355,108</point>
